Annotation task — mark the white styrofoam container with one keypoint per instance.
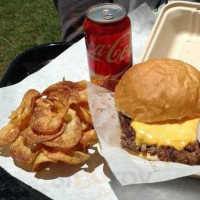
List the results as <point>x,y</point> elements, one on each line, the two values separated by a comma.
<point>176,34</point>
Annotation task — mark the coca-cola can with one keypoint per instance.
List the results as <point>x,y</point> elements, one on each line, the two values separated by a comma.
<point>108,40</point>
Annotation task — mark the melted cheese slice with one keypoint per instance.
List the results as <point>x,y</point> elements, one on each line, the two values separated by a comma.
<point>177,135</point>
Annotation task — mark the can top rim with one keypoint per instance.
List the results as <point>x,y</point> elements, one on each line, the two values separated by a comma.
<point>98,6</point>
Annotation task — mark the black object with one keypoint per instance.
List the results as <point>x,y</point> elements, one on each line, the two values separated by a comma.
<point>12,188</point>
<point>56,3</point>
<point>160,2</point>
<point>23,65</point>
<point>31,61</point>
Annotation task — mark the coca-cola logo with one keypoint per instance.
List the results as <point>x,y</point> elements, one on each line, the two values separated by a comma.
<point>120,49</point>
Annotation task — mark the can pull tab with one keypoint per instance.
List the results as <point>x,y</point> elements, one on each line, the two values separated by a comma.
<point>107,14</point>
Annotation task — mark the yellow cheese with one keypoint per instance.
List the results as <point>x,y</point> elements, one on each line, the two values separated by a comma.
<point>177,135</point>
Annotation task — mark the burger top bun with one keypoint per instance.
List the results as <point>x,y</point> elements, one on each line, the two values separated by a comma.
<point>159,90</point>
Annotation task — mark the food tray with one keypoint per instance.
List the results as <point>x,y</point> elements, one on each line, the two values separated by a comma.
<point>31,61</point>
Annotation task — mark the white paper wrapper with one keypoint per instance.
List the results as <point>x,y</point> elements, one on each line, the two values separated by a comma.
<point>90,181</point>
<point>127,168</point>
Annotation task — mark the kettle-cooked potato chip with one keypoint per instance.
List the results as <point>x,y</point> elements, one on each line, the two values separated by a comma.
<point>71,134</point>
<point>68,86</point>
<point>107,82</point>
<point>46,119</point>
<point>82,85</point>
<point>83,112</point>
<point>83,96</point>
<point>33,138</point>
<point>20,151</point>
<point>86,115</point>
<point>73,158</point>
<point>60,96</point>
<point>85,126</point>
<point>8,134</point>
<point>41,161</point>
<point>89,138</point>
<point>58,86</point>
<point>22,115</point>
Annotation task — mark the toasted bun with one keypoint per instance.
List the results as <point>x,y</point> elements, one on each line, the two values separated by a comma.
<point>159,90</point>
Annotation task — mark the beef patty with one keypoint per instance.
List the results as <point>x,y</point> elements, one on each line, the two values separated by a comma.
<point>189,155</point>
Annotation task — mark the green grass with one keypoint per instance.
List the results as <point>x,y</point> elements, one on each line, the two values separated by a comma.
<point>26,23</point>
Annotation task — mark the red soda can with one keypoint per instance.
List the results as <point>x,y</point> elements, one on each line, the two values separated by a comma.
<point>108,40</point>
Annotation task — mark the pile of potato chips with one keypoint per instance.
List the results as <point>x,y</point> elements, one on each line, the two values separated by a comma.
<point>52,126</point>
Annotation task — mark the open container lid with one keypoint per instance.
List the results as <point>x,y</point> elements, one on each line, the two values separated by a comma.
<point>176,34</point>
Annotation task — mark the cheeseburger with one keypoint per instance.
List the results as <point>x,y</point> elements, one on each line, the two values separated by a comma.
<point>159,110</point>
